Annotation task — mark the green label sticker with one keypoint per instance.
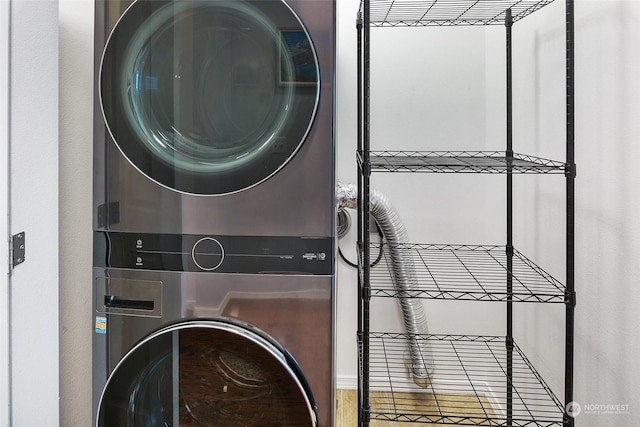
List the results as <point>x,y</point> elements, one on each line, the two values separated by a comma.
<point>101,325</point>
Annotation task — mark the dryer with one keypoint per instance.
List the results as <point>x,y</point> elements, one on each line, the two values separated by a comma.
<point>211,350</point>
<point>213,212</point>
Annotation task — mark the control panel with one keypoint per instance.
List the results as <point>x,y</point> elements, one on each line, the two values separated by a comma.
<point>222,254</point>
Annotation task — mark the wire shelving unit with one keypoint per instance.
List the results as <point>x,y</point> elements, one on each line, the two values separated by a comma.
<point>507,389</point>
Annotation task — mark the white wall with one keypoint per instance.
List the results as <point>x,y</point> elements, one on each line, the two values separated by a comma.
<point>607,207</point>
<point>461,75</point>
<point>346,111</point>
<point>5,354</point>
<point>76,246</point>
<point>33,208</point>
<point>430,90</point>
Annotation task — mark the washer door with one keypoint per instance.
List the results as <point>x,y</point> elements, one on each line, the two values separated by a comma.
<point>207,373</point>
<point>209,96</point>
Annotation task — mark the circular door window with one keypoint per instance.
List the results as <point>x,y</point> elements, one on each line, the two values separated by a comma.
<point>209,96</point>
<point>207,373</point>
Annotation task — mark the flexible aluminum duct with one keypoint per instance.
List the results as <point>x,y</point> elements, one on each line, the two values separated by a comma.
<point>404,276</point>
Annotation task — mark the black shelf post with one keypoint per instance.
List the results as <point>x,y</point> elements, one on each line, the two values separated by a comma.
<point>360,213</point>
<point>363,199</point>
<point>570,194</point>
<point>509,248</point>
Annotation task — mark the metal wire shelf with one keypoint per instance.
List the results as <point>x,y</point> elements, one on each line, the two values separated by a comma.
<point>465,272</point>
<point>469,384</point>
<point>495,162</point>
<point>507,389</point>
<point>422,13</point>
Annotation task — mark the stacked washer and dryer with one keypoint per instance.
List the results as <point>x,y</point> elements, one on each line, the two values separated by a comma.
<point>214,213</point>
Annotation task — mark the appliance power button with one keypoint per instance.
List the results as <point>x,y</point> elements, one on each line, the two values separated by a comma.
<point>207,254</point>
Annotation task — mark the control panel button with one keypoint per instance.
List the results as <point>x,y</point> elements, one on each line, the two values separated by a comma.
<point>207,254</point>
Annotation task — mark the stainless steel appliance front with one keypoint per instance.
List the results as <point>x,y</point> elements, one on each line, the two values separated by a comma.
<point>214,117</point>
<point>213,200</point>
<point>129,306</point>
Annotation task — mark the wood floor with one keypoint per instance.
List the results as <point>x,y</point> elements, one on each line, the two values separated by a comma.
<point>449,405</point>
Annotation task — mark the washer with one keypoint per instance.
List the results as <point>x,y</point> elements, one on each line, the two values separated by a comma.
<point>215,117</point>
<point>214,213</point>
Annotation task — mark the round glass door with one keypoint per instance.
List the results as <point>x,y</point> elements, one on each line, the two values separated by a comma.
<point>207,373</point>
<point>209,96</point>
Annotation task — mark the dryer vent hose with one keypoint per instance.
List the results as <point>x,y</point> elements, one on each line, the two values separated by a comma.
<point>403,276</point>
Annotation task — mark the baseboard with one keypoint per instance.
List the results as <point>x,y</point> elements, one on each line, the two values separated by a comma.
<point>349,382</point>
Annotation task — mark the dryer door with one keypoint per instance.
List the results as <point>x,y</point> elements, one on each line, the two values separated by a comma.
<point>207,373</point>
<point>209,96</point>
